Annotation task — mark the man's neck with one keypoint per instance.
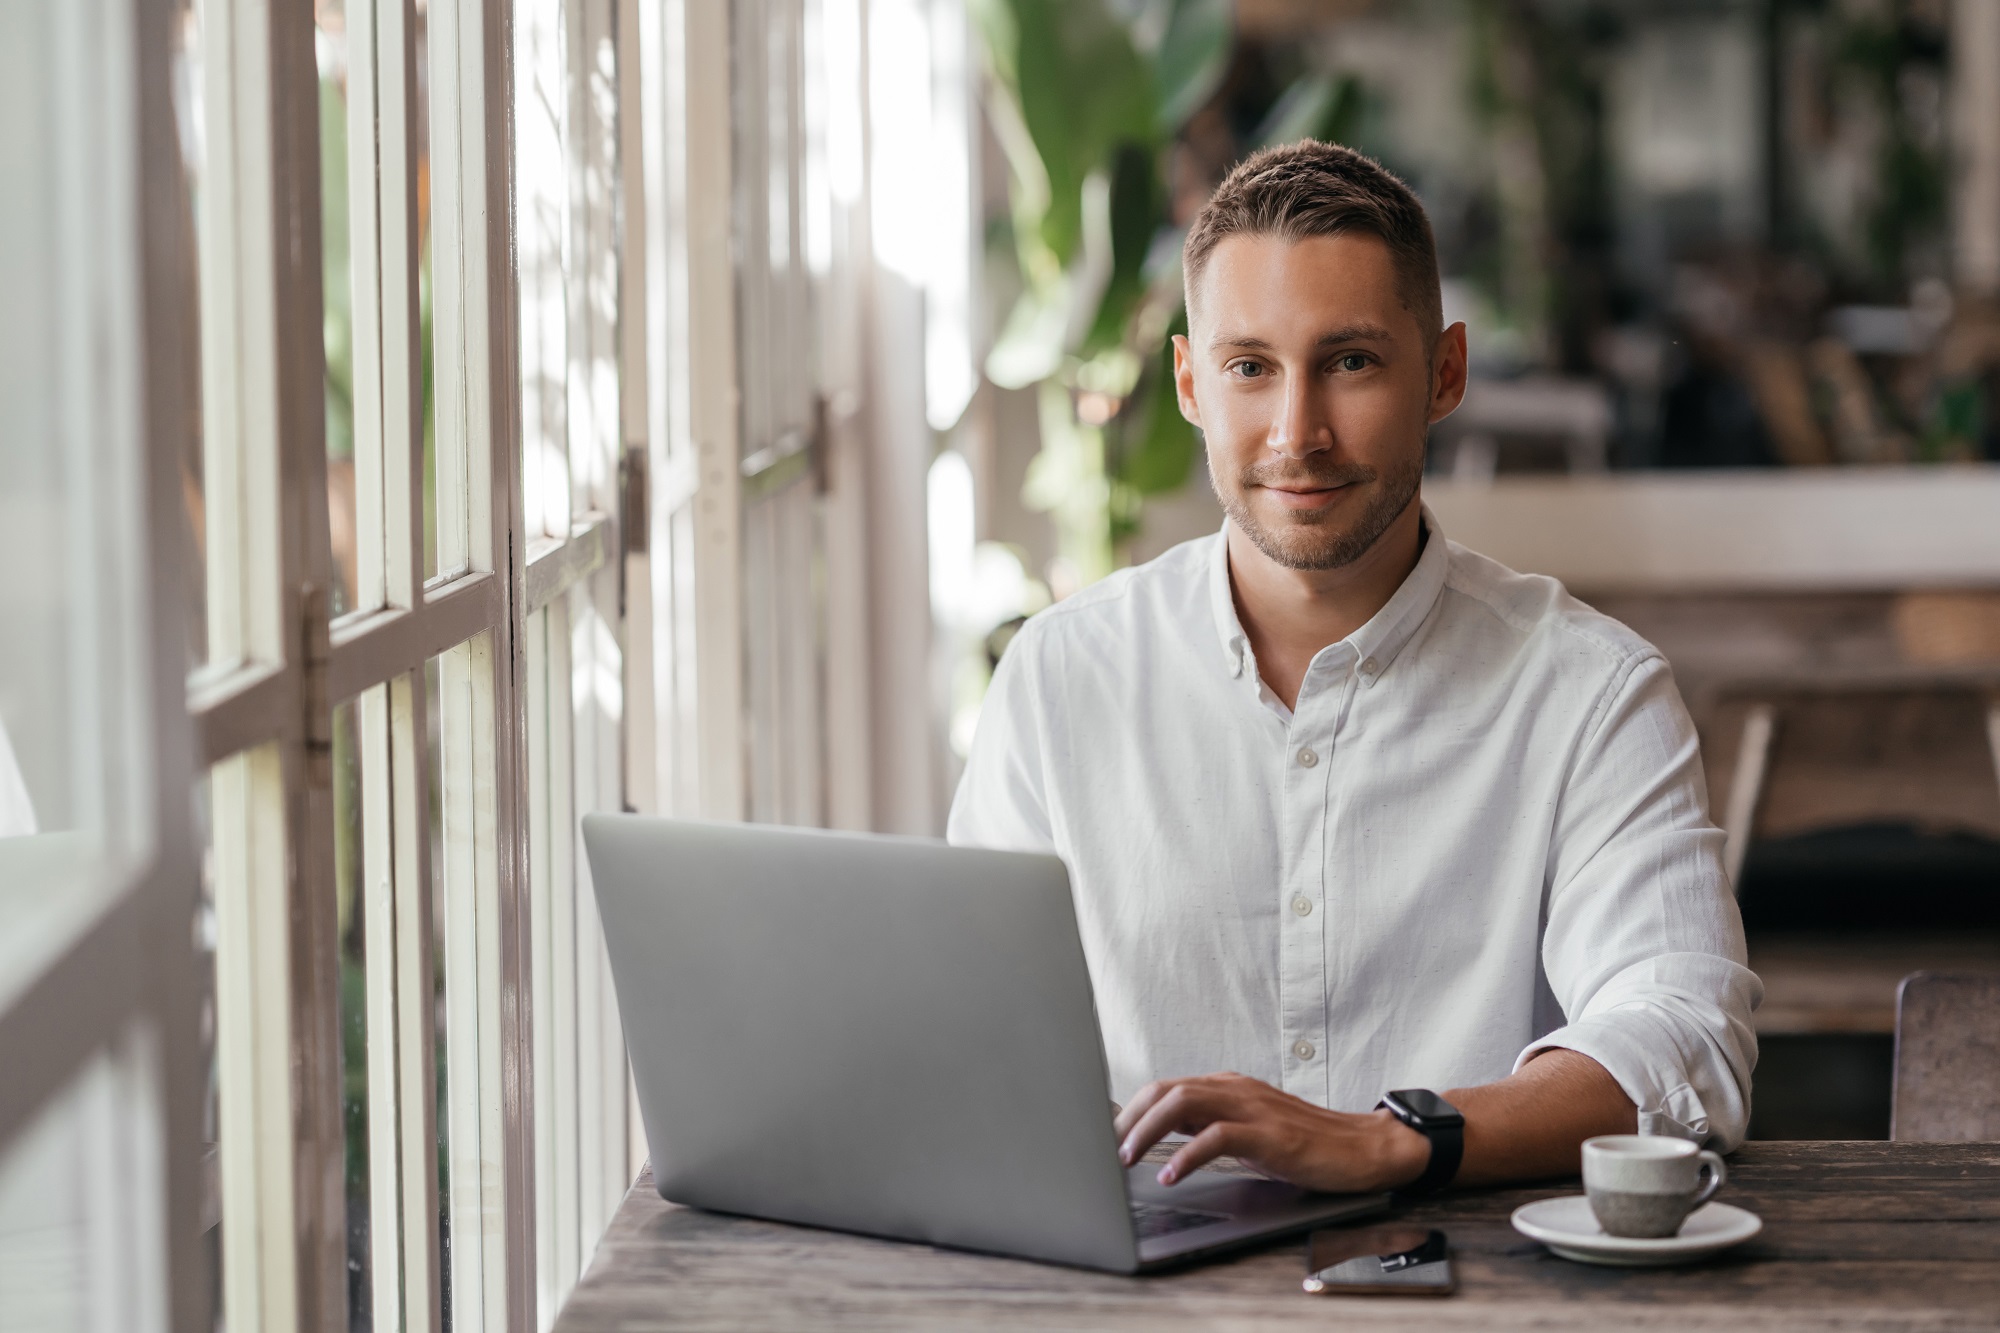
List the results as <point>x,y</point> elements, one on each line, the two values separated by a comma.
<point>1290,614</point>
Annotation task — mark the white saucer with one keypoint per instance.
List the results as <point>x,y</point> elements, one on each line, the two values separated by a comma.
<point>1567,1226</point>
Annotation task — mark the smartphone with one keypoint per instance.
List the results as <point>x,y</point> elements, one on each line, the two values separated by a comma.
<point>1387,1260</point>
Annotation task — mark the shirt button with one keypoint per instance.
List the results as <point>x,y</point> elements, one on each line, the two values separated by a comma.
<point>1368,668</point>
<point>1303,1049</point>
<point>1306,756</point>
<point>1302,905</point>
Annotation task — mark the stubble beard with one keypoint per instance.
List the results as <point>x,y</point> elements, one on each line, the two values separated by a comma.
<point>1313,541</point>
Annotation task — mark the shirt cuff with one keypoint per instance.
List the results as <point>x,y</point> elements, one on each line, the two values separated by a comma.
<point>1667,1103</point>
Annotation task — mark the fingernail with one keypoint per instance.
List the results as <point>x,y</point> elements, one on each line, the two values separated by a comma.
<point>1166,1175</point>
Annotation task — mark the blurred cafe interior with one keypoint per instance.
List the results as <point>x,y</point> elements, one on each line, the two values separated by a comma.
<point>1732,290</point>
<point>428,422</point>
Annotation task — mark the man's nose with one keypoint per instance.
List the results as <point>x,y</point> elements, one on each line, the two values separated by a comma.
<point>1303,426</point>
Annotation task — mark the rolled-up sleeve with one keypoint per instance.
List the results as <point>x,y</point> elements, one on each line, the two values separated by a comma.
<point>1002,799</point>
<point>1644,946</point>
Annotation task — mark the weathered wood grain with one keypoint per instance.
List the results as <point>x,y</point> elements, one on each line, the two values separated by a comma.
<point>1857,1236</point>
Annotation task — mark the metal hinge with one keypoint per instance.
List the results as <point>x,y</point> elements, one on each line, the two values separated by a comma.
<point>632,499</point>
<point>822,442</point>
<point>315,653</point>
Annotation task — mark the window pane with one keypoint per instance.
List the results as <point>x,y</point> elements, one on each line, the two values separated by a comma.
<point>330,24</point>
<point>375,184</point>
<point>389,1002</point>
<point>541,103</point>
<point>441,1107</point>
<point>75,780</point>
<point>348,856</point>
<point>44,1232</point>
<point>474,978</point>
<point>80,1202</point>
<point>427,360</point>
<point>211,1117</point>
<point>185,72</point>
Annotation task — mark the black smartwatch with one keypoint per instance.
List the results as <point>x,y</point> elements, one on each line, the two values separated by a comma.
<point>1437,1120</point>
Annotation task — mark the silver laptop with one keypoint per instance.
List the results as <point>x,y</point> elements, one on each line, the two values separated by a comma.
<point>890,1036</point>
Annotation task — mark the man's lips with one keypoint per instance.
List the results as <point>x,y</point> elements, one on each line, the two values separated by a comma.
<point>1306,497</point>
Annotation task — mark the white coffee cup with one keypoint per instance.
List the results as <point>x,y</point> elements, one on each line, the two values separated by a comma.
<point>1646,1185</point>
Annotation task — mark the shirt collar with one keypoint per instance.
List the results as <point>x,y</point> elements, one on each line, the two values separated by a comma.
<point>1377,642</point>
<point>1222,601</point>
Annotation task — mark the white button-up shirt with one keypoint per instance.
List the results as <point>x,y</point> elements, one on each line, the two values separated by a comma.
<point>1482,832</point>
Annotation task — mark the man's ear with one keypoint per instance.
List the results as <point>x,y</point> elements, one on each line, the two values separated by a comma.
<point>1184,381</point>
<point>1448,371</point>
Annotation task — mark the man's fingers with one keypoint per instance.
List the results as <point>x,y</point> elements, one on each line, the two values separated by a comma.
<point>1219,1139</point>
<point>1185,1107</point>
<point>1151,1124</point>
<point>1142,1102</point>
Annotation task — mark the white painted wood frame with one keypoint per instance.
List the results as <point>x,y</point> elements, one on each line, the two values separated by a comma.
<point>280,1150</point>
<point>97,1021</point>
<point>694,456</point>
<point>537,299</point>
<point>779,421</point>
<point>758,540</point>
<point>264,711</point>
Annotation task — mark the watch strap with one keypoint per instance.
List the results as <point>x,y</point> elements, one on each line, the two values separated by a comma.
<point>1447,1151</point>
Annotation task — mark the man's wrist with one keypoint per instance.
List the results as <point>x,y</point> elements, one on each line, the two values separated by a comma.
<point>1405,1153</point>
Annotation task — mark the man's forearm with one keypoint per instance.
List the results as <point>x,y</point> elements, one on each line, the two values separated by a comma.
<point>1528,1125</point>
<point>1525,1126</point>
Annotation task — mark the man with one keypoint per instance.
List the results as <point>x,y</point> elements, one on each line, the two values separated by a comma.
<point>1346,807</point>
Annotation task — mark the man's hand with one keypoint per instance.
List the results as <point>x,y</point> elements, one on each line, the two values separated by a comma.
<point>1526,1126</point>
<point>1275,1132</point>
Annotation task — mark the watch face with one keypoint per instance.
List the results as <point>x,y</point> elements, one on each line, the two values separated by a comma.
<point>1427,1106</point>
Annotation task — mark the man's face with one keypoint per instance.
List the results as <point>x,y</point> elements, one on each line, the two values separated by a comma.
<point>1315,387</point>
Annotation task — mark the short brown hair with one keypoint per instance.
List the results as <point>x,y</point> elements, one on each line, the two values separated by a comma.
<point>1311,188</point>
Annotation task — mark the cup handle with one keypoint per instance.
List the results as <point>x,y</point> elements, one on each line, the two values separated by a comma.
<point>1717,1173</point>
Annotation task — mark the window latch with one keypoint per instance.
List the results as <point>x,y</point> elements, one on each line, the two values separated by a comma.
<point>315,653</point>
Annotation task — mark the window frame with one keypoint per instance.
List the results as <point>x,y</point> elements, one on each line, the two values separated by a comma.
<point>263,712</point>
<point>99,1010</point>
<point>666,476</point>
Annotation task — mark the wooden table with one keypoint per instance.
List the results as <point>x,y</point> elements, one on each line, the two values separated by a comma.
<point>1856,1236</point>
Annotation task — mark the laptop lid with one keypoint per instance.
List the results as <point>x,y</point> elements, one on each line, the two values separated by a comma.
<point>882,1035</point>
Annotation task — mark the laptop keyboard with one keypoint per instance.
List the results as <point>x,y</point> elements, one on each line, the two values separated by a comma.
<point>1153,1220</point>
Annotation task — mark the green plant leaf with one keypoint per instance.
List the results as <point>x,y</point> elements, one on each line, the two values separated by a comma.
<point>1160,451</point>
<point>1193,57</point>
<point>337,309</point>
<point>1137,210</point>
<point>999,36</point>
<point>1082,89</point>
<point>1030,346</point>
<point>1316,106</point>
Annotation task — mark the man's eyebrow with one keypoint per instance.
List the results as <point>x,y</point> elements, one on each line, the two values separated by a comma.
<point>1244,340</point>
<point>1352,333</point>
<point>1346,333</point>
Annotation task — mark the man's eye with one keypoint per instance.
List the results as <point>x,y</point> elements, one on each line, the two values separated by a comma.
<point>1353,361</point>
<point>1249,370</point>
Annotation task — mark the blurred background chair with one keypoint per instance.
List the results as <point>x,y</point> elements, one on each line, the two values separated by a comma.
<point>1873,733</point>
<point>1536,423</point>
<point>1947,1087</point>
